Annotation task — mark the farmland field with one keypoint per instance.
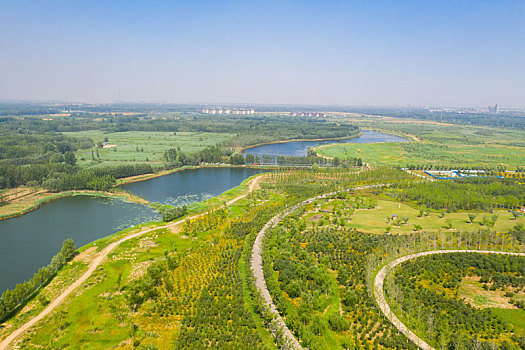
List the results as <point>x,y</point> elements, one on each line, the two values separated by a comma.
<point>444,144</point>
<point>143,146</point>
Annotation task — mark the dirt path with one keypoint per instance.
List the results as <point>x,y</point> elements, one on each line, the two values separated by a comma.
<point>380,296</point>
<point>98,259</point>
<point>257,268</point>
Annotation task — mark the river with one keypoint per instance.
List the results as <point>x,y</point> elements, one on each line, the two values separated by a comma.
<point>29,241</point>
<point>299,148</point>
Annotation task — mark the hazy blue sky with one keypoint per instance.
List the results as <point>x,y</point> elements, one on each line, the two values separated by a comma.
<point>454,53</point>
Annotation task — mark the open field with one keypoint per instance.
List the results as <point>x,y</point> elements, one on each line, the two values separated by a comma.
<point>440,144</point>
<point>143,146</point>
<point>375,220</point>
<point>515,317</point>
<point>396,154</point>
<point>472,291</point>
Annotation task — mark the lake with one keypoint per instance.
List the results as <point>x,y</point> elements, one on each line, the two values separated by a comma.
<point>189,186</point>
<point>299,148</point>
<point>28,242</point>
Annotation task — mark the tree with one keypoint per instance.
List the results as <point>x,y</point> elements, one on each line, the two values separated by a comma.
<point>69,158</point>
<point>471,217</point>
<point>68,248</point>
<point>170,155</point>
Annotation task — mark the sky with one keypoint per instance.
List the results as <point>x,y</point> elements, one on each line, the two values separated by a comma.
<point>378,53</point>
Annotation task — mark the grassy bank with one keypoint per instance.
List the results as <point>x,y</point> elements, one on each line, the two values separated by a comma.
<point>29,204</point>
<point>91,314</point>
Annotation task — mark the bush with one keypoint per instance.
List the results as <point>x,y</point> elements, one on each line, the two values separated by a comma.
<point>170,213</point>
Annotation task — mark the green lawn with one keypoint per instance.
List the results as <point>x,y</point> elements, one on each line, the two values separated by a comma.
<point>395,154</point>
<point>375,220</point>
<point>143,146</point>
<point>515,317</point>
<point>443,144</point>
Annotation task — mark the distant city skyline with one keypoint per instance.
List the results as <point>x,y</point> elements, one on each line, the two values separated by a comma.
<point>384,53</point>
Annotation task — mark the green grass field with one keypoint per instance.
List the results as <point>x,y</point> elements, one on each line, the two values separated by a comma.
<point>375,220</point>
<point>515,317</point>
<point>143,146</point>
<point>439,144</point>
<point>394,154</point>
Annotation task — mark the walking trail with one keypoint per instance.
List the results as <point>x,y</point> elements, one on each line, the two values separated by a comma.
<point>380,296</point>
<point>257,268</point>
<point>99,258</point>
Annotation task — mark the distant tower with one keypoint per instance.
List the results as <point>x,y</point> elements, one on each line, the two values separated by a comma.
<point>494,109</point>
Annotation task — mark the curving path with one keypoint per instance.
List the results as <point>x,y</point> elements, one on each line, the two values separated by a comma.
<point>95,263</point>
<point>257,268</point>
<point>380,296</point>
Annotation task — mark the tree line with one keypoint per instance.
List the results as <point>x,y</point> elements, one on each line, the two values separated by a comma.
<point>468,194</point>
<point>12,299</point>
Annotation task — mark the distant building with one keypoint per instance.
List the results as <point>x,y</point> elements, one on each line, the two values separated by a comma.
<point>237,111</point>
<point>494,109</point>
<point>301,114</point>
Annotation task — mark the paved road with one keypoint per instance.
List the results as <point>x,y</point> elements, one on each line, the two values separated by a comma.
<point>95,263</point>
<point>380,296</point>
<point>257,269</point>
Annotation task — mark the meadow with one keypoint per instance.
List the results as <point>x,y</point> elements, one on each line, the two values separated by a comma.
<point>142,146</point>
<point>435,144</point>
<point>379,219</point>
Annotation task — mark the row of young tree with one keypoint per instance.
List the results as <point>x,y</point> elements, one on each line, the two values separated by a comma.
<point>11,299</point>
<point>490,170</point>
<point>469,194</point>
<point>299,264</point>
<point>204,290</point>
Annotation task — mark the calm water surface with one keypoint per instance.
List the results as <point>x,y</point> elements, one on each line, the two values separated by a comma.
<point>299,148</point>
<point>188,186</point>
<point>28,242</point>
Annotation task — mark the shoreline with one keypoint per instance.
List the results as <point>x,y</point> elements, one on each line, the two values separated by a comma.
<point>59,195</point>
<point>138,178</point>
<point>119,192</point>
<point>110,242</point>
<point>243,149</point>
